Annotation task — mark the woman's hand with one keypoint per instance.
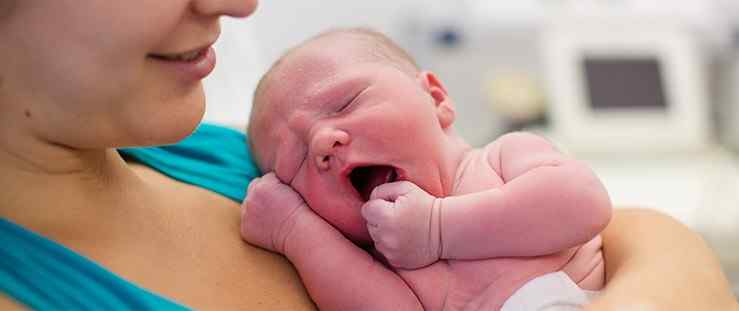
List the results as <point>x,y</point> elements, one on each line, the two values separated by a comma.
<point>270,212</point>
<point>656,263</point>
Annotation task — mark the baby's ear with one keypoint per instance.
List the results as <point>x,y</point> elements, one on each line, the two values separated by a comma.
<point>444,104</point>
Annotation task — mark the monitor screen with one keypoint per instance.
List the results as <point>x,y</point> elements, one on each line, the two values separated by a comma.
<point>624,83</point>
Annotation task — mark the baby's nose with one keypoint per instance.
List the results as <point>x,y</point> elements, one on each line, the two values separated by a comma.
<point>325,144</point>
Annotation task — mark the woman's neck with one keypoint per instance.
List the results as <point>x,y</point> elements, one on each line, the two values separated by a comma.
<point>43,182</point>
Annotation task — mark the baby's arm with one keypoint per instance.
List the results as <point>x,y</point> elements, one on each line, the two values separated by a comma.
<point>337,274</point>
<point>548,203</point>
<point>341,276</point>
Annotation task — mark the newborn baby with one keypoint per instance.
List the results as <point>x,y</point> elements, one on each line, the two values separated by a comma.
<point>359,143</point>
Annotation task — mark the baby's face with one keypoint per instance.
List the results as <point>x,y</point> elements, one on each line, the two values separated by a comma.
<point>337,127</point>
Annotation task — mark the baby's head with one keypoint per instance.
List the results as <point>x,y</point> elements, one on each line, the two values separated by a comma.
<point>344,112</point>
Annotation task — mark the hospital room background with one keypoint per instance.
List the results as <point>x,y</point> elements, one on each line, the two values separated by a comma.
<point>645,91</point>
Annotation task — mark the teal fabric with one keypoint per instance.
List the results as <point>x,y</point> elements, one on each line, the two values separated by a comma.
<point>214,157</point>
<point>45,275</point>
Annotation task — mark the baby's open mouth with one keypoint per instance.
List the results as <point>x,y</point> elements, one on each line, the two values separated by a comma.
<point>367,178</point>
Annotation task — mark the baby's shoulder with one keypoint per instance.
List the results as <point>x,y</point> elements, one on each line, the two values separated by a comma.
<point>518,138</point>
<point>515,144</point>
<point>477,172</point>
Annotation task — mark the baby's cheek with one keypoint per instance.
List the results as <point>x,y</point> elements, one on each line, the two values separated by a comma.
<point>328,198</point>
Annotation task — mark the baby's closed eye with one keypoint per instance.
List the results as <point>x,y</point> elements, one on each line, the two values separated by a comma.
<point>349,103</point>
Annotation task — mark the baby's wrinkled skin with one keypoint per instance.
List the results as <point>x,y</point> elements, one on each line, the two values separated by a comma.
<point>360,149</point>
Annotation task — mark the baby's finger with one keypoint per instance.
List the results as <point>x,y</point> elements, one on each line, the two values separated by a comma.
<point>271,178</point>
<point>252,184</point>
<point>374,233</point>
<point>392,191</point>
<point>243,211</point>
<point>376,211</point>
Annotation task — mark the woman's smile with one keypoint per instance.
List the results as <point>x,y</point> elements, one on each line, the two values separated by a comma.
<point>193,65</point>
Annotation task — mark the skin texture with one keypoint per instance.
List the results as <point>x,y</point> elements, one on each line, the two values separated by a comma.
<point>79,83</point>
<point>348,112</point>
<point>319,139</point>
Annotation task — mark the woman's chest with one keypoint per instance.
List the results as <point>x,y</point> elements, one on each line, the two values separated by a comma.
<point>202,262</point>
<point>185,245</point>
<point>210,267</point>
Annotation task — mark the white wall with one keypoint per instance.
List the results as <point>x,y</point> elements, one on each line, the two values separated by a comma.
<point>247,47</point>
<point>283,23</point>
<point>229,88</point>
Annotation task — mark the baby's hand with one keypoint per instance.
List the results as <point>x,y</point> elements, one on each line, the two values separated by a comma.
<point>269,213</point>
<point>404,223</point>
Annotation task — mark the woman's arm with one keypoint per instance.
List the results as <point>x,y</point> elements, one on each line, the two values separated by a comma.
<point>654,262</point>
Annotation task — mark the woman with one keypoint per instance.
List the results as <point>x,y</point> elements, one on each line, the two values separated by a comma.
<point>81,78</point>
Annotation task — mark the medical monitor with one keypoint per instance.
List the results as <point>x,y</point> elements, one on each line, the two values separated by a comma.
<point>626,87</point>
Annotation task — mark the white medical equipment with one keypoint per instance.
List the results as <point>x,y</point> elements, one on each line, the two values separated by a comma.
<point>626,85</point>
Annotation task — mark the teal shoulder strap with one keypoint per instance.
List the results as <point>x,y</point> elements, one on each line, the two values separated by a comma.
<point>45,275</point>
<point>213,157</point>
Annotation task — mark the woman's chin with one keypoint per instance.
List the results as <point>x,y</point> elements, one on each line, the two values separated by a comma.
<point>175,133</point>
<point>175,129</point>
<point>165,128</point>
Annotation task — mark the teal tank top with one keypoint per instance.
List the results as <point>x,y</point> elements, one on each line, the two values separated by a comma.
<point>44,275</point>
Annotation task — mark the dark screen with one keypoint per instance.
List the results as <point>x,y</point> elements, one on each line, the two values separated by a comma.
<point>624,83</point>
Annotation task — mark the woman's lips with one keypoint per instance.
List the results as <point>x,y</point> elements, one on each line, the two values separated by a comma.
<point>190,66</point>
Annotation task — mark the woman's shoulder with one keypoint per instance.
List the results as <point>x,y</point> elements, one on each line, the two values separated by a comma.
<point>184,244</point>
<point>213,267</point>
<point>180,239</point>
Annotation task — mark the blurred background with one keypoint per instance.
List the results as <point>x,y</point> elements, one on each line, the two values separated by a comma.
<point>645,91</point>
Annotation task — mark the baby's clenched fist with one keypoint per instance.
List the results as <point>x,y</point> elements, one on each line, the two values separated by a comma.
<point>404,222</point>
<point>269,213</point>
